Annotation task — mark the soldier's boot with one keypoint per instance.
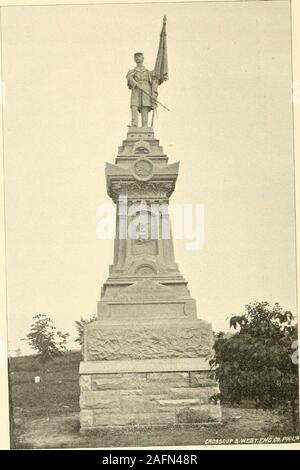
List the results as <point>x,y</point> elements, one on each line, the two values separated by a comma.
<point>134,116</point>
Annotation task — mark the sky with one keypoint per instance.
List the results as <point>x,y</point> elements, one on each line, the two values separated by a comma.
<point>230,126</point>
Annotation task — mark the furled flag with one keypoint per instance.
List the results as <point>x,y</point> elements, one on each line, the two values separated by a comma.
<point>161,64</point>
<point>160,72</point>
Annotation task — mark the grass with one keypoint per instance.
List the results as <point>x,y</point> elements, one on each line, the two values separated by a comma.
<point>57,391</point>
<point>46,414</point>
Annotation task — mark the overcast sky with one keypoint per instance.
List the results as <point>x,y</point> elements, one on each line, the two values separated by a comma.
<point>230,126</point>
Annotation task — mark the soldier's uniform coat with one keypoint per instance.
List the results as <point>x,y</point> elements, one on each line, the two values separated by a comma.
<point>144,78</point>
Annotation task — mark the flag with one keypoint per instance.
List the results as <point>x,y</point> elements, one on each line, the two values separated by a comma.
<point>161,64</point>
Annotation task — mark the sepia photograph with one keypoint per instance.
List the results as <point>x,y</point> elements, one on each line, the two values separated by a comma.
<point>150,224</point>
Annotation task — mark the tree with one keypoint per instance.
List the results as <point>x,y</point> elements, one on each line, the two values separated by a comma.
<point>18,352</point>
<point>256,363</point>
<point>80,327</point>
<point>45,338</point>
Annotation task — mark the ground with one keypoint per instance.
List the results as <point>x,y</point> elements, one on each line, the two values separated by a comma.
<point>46,414</point>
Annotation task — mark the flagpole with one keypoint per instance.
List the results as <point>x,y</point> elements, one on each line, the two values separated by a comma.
<point>160,68</point>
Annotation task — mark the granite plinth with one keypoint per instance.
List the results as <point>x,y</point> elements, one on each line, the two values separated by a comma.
<point>147,392</point>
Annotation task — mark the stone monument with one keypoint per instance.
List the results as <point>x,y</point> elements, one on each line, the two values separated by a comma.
<point>146,356</point>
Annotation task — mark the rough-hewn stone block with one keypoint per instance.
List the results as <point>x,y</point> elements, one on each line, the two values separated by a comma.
<point>118,381</point>
<point>86,418</point>
<point>175,379</point>
<point>131,402</point>
<point>100,399</point>
<point>130,419</point>
<point>145,340</point>
<point>179,403</point>
<point>202,379</point>
<point>155,388</point>
<point>85,382</point>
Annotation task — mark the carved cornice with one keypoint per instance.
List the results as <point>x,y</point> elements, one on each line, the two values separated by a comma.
<point>133,189</point>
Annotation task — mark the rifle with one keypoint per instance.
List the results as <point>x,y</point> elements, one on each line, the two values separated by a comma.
<point>152,97</point>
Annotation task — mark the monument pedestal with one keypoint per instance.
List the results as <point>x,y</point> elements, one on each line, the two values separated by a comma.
<point>146,357</point>
<point>146,392</point>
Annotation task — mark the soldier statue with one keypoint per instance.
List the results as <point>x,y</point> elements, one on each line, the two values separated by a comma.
<point>140,81</point>
<point>143,83</point>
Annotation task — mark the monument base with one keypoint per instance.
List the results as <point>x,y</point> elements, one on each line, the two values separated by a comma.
<point>147,392</point>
